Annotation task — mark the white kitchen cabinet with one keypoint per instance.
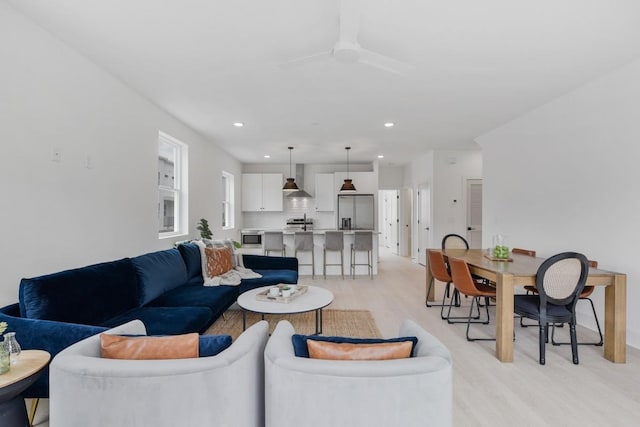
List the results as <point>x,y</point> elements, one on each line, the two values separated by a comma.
<point>262,192</point>
<point>325,192</point>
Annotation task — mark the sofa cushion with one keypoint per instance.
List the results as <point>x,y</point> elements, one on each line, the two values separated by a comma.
<point>216,298</point>
<point>166,320</point>
<point>269,277</point>
<point>363,351</point>
<point>218,261</point>
<point>300,348</point>
<point>208,345</point>
<point>159,272</point>
<point>191,256</point>
<point>182,346</point>
<point>88,295</point>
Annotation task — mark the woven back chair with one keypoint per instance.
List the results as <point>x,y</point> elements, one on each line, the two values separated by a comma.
<point>560,280</point>
<point>454,241</point>
<point>585,295</point>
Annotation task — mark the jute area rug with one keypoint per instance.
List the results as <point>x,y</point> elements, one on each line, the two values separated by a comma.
<point>345,323</point>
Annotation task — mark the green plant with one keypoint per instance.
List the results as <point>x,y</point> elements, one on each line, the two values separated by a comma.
<point>203,227</point>
<point>237,244</point>
<point>3,327</point>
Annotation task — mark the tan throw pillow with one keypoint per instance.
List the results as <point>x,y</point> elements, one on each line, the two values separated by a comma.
<point>347,351</point>
<point>149,348</point>
<point>218,261</point>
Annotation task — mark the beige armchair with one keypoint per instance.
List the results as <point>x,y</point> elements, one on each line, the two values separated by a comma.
<point>403,392</point>
<point>222,390</point>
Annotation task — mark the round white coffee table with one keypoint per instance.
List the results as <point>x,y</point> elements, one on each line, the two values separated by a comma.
<point>314,299</point>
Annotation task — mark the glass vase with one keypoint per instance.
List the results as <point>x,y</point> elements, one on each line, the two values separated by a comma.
<point>11,345</point>
<point>500,247</point>
<point>5,361</point>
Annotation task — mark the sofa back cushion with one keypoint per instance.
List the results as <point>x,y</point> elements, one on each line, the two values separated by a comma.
<point>88,295</point>
<point>159,272</point>
<point>301,348</point>
<point>191,256</point>
<point>143,347</point>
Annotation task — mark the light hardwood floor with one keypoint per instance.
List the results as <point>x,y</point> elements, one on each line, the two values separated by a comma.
<point>490,393</point>
<point>487,392</point>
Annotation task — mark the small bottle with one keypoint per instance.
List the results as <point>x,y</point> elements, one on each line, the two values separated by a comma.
<point>11,345</point>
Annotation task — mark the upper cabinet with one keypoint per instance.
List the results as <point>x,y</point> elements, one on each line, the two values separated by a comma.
<point>325,192</point>
<point>262,192</point>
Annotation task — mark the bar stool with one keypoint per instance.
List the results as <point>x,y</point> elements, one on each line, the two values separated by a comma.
<point>333,241</point>
<point>362,242</point>
<point>303,242</point>
<point>273,241</point>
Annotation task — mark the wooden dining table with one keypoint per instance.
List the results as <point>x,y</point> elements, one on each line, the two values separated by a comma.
<point>521,271</point>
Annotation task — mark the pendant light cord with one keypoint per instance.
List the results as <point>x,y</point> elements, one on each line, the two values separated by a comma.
<point>348,149</point>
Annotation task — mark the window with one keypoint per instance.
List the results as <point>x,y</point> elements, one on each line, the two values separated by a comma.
<point>228,212</point>
<point>172,187</point>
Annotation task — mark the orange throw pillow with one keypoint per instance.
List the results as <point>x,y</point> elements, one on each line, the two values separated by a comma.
<point>218,261</point>
<point>149,348</point>
<point>348,351</point>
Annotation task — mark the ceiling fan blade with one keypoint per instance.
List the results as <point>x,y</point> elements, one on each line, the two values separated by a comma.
<point>383,62</point>
<point>350,11</point>
<point>316,57</point>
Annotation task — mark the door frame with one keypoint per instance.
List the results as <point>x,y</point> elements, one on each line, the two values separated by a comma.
<point>465,198</point>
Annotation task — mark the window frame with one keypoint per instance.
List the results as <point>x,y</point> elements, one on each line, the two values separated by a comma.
<point>179,189</point>
<point>228,200</point>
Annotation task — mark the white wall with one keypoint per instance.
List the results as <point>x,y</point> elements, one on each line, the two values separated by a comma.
<point>446,172</point>
<point>451,170</point>
<point>391,177</point>
<point>63,215</point>
<point>566,177</point>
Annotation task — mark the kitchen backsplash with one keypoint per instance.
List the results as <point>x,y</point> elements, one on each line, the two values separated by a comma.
<point>293,208</point>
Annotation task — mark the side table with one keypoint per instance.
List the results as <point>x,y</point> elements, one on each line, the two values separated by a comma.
<point>23,373</point>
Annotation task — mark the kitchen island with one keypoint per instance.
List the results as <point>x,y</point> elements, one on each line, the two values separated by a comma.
<point>332,257</point>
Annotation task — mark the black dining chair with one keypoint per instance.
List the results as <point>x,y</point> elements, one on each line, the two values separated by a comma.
<point>585,295</point>
<point>454,241</point>
<point>559,280</point>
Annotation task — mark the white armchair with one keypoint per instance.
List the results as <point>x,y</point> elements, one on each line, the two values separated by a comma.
<point>403,392</point>
<point>222,390</point>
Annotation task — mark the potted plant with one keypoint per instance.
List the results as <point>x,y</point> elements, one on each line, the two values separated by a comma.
<point>203,227</point>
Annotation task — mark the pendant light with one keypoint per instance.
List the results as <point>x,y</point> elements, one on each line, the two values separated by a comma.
<point>348,186</point>
<point>290,185</point>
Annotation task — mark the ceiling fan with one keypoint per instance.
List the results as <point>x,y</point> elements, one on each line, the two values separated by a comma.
<point>347,49</point>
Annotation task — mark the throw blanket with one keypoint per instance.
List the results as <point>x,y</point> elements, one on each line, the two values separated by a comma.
<point>232,277</point>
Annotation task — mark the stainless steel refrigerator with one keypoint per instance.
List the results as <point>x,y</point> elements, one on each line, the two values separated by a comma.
<point>356,212</point>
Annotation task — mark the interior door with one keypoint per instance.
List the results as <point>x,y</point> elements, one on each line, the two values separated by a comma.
<point>474,213</point>
<point>424,222</point>
<point>393,221</point>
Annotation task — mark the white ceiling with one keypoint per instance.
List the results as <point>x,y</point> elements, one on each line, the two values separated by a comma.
<point>475,65</point>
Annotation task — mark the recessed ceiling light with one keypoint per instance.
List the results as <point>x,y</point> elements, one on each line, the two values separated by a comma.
<point>266,156</point>
<point>238,124</point>
<point>380,156</point>
<point>389,124</point>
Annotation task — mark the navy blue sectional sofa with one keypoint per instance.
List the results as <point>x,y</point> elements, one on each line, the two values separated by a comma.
<point>164,289</point>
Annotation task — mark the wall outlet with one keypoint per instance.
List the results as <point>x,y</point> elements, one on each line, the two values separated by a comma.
<point>56,154</point>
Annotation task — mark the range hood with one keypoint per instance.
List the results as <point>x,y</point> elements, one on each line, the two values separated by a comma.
<point>300,182</point>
